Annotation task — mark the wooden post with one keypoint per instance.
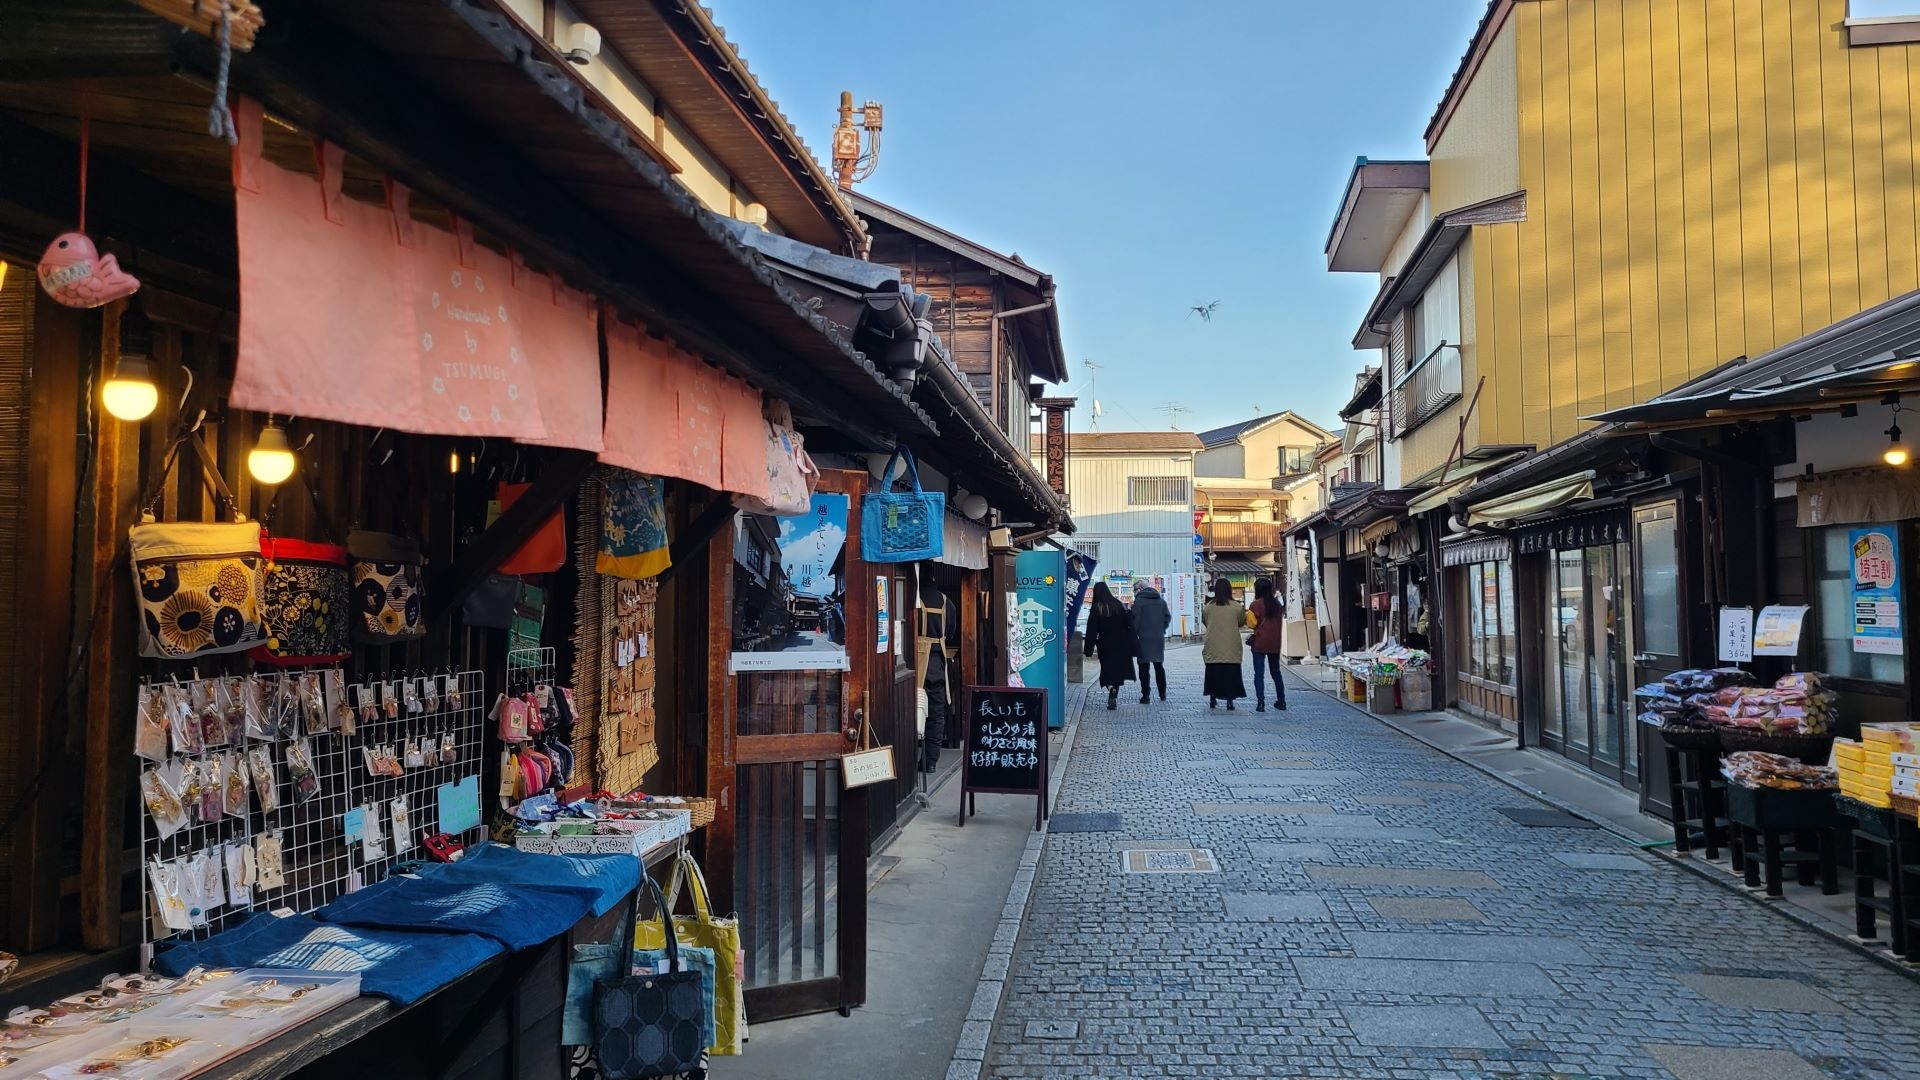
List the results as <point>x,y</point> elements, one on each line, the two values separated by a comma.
<point>720,725</point>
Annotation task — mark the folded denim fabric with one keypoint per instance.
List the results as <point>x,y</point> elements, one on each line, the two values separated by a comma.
<point>517,916</point>
<point>401,966</point>
<point>609,877</point>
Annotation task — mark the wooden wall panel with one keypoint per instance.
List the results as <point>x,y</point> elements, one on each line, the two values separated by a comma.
<point>1706,179</point>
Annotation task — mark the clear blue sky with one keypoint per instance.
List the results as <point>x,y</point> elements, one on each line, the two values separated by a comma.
<point>1150,156</point>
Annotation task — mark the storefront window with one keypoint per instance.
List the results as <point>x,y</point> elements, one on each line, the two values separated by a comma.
<point>1834,651</point>
<point>1490,629</point>
<point>1568,600</point>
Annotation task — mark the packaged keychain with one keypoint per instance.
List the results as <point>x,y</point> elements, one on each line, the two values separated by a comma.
<point>373,843</point>
<point>182,722</point>
<point>366,703</point>
<point>390,700</point>
<point>448,754</point>
<point>209,893</point>
<point>402,831</point>
<point>163,801</point>
<point>213,724</point>
<point>267,871</point>
<point>313,703</point>
<point>256,701</point>
<point>189,785</point>
<point>165,881</point>
<point>265,784</point>
<point>239,880</point>
<point>430,694</point>
<point>306,782</point>
<point>286,707</point>
<point>213,790</point>
<point>415,759</point>
<point>233,766</point>
<point>450,691</point>
<point>150,723</point>
<point>338,704</point>
<point>410,695</point>
<point>230,696</point>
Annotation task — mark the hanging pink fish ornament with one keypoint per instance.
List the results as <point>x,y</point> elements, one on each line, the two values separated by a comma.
<point>77,275</point>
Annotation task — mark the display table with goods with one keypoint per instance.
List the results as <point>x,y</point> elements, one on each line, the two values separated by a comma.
<point>635,824</point>
<point>1388,679</point>
<point>1783,814</point>
<point>1879,774</point>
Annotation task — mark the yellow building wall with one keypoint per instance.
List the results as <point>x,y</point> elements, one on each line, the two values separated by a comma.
<point>1706,179</point>
<point>1477,156</point>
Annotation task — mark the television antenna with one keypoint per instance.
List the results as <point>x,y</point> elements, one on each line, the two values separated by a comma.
<point>1093,371</point>
<point>1174,411</point>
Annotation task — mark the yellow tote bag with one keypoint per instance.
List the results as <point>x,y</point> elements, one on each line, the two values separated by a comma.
<point>720,935</point>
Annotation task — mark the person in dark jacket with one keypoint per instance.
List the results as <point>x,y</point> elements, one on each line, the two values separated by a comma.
<point>1269,628</point>
<point>1110,632</point>
<point>1151,618</point>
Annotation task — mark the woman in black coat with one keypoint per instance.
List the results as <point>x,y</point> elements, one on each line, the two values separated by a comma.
<point>1110,631</point>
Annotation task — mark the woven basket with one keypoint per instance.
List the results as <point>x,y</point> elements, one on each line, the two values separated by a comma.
<point>1812,749</point>
<point>1687,737</point>
<point>701,811</point>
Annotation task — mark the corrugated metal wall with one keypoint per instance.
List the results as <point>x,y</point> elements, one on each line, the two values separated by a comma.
<point>1144,539</point>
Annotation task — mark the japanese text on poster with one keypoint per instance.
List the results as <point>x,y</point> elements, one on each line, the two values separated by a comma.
<point>1876,589</point>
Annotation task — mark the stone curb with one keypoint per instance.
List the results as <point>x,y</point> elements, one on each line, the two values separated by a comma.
<point>976,1034</point>
<point>1696,867</point>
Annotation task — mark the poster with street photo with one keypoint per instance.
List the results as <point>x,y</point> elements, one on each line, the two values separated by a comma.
<point>789,589</point>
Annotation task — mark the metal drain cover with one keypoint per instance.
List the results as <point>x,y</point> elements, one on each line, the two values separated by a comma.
<point>1084,823</point>
<point>1156,861</point>
<point>1539,817</point>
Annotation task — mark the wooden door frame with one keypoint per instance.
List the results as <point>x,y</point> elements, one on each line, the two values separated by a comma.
<point>725,754</point>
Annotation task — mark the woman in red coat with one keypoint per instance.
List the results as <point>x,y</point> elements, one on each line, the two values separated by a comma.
<point>1268,634</point>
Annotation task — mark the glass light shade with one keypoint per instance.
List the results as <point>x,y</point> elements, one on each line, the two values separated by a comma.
<point>129,393</point>
<point>1895,455</point>
<point>271,459</point>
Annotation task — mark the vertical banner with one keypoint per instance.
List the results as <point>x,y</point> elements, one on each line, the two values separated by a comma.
<point>789,589</point>
<point>882,642</point>
<point>1040,627</point>
<point>1876,589</point>
<point>1079,580</point>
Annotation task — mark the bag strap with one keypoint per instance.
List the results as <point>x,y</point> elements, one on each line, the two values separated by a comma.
<point>696,886</point>
<point>666,924</point>
<point>209,475</point>
<point>901,453</point>
<point>323,525</point>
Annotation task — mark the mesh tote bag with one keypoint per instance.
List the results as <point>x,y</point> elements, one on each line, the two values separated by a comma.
<point>902,526</point>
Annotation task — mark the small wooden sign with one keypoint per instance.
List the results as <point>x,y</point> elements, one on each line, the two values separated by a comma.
<point>1006,746</point>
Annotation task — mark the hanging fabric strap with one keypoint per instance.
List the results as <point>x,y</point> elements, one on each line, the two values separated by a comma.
<point>219,116</point>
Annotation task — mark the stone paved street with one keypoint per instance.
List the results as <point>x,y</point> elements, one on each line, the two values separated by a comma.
<point>1372,914</point>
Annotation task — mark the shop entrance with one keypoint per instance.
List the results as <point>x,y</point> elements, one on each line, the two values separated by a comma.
<point>1657,631</point>
<point>1587,711</point>
<point>798,842</point>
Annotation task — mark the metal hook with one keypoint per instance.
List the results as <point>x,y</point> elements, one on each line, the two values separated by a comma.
<point>197,421</point>
<point>185,390</point>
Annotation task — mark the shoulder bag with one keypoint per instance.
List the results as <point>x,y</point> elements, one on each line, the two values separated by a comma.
<point>902,526</point>
<point>305,588</point>
<point>198,583</point>
<point>650,1025</point>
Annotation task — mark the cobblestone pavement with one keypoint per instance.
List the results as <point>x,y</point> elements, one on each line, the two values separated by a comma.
<point>1372,914</point>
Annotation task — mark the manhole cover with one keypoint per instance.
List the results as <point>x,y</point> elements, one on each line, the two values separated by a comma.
<point>1537,817</point>
<point>1180,861</point>
<point>1084,823</point>
<point>1053,1029</point>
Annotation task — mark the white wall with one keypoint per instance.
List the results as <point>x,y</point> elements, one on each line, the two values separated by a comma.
<point>1144,539</point>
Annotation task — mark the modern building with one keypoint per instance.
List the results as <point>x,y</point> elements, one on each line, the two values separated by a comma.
<point>1698,186</point>
<point>1131,495</point>
<point>1244,491</point>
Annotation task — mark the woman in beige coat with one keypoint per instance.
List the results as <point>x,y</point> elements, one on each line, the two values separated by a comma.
<point>1224,618</point>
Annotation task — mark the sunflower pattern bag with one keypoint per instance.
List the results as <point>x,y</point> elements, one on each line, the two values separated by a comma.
<point>387,605</point>
<point>199,586</point>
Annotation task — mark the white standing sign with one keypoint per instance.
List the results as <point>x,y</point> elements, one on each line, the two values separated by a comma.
<point>1736,634</point>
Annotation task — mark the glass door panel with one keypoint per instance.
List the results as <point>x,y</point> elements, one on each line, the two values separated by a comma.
<point>1570,622</point>
<point>1603,594</point>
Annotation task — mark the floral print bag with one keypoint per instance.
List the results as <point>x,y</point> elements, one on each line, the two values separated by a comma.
<point>386,601</point>
<point>306,609</point>
<point>199,585</point>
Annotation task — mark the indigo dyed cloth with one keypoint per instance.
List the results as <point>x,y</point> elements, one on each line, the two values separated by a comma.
<point>400,966</point>
<point>609,877</point>
<point>517,916</point>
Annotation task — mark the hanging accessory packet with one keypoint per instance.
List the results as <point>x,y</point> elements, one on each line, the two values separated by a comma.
<point>650,1025</point>
<point>387,604</point>
<point>198,583</point>
<point>902,526</point>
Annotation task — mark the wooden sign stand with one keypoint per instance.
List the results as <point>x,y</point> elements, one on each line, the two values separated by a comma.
<point>1005,751</point>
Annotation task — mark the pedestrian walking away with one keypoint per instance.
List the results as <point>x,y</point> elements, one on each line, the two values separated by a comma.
<point>1151,617</point>
<point>937,644</point>
<point>1269,626</point>
<point>1224,618</point>
<point>1110,633</point>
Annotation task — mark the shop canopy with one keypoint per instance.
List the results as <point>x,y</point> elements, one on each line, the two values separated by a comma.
<point>1529,501</point>
<point>1239,566</point>
<point>1457,479</point>
<point>1853,361</point>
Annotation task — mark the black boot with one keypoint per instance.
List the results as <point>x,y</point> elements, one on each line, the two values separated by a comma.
<point>1113,697</point>
<point>1259,706</point>
<point>1144,699</point>
<point>1211,703</point>
<point>1230,704</point>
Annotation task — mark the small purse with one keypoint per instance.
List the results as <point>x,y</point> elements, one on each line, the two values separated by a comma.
<point>491,604</point>
<point>902,526</point>
<point>546,550</point>
<point>791,474</point>
<point>387,605</point>
<point>305,590</point>
<point>650,1025</point>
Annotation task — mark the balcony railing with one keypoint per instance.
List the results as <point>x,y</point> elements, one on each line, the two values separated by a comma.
<point>1427,388</point>
<point>1242,535</point>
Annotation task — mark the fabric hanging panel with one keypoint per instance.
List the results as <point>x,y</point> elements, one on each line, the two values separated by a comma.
<point>642,405</point>
<point>1858,498</point>
<point>702,420</point>
<point>356,313</point>
<point>743,439</point>
<point>562,329</point>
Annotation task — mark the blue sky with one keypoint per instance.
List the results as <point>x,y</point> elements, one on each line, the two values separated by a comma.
<point>1150,156</point>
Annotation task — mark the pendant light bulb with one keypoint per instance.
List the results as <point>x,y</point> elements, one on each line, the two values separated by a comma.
<point>271,459</point>
<point>129,393</point>
<point>1896,454</point>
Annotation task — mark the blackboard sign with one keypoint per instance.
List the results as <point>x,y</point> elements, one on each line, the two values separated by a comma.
<point>1006,747</point>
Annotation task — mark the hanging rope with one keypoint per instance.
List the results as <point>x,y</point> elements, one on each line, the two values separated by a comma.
<point>219,116</point>
<point>84,126</point>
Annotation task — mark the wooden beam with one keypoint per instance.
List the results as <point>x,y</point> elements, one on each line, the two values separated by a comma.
<point>718,514</point>
<point>722,776</point>
<point>765,749</point>
<point>109,700</point>
<point>62,336</point>
<point>558,479</point>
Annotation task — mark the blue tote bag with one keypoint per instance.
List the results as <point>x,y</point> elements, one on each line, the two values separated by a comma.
<point>902,526</point>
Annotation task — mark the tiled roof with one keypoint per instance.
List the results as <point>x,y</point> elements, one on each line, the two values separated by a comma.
<point>1126,440</point>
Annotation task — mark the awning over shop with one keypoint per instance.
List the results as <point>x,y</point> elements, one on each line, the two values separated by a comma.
<point>1239,566</point>
<point>1457,479</point>
<point>1852,361</point>
<point>1529,501</point>
<point>1475,550</point>
<point>966,544</point>
<point>1591,528</point>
